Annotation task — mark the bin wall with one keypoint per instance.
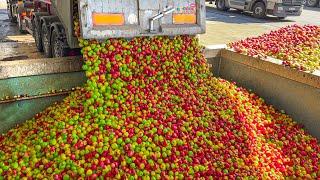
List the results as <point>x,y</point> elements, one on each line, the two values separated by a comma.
<point>300,100</point>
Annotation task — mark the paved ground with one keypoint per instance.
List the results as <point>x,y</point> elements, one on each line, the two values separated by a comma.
<point>225,27</point>
<point>2,4</point>
<point>222,28</point>
<point>13,44</point>
<point>6,28</point>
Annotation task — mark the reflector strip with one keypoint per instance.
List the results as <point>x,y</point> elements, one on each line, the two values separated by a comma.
<point>184,19</point>
<point>101,19</point>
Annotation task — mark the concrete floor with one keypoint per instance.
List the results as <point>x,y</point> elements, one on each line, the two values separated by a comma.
<point>6,27</point>
<point>2,4</point>
<point>13,44</point>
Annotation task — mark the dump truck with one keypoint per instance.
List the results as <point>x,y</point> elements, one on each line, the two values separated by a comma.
<point>262,8</point>
<point>52,25</point>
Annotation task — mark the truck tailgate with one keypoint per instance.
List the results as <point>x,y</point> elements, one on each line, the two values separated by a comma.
<point>102,19</point>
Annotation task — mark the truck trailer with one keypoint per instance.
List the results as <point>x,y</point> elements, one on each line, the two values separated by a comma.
<point>262,8</point>
<point>52,25</point>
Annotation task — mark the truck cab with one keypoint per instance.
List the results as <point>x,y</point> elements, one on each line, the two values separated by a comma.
<point>262,8</point>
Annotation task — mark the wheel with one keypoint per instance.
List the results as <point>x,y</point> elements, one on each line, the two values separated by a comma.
<point>46,41</point>
<point>37,34</point>
<point>10,14</point>
<point>59,46</point>
<point>311,3</point>
<point>259,10</point>
<point>304,2</point>
<point>221,5</point>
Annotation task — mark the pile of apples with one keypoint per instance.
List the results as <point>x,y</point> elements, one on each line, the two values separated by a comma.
<point>151,109</point>
<point>297,46</point>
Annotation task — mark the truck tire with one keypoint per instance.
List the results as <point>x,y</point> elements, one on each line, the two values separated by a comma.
<point>259,10</point>
<point>37,34</point>
<point>45,33</point>
<point>304,2</point>
<point>221,5</point>
<point>10,14</point>
<point>59,43</point>
<point>312,3</point>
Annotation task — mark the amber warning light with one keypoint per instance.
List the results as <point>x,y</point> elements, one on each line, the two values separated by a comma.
<point>103,19</point>
<point>184,19</point>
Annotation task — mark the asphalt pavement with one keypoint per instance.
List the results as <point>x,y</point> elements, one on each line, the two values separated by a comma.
<point>309,16</point>
<point>6,27</point>
<point>228,26</point>
<point>13,44</point>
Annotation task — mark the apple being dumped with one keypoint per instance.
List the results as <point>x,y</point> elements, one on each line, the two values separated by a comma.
<point>152,110</point>
<point>297,46</point>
